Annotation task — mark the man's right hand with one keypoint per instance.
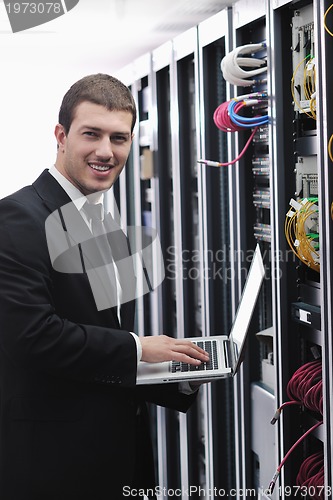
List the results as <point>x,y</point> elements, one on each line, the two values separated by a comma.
<point>159,348</point>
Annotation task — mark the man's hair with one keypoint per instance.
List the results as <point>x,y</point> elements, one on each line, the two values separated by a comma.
<point>101,89</point>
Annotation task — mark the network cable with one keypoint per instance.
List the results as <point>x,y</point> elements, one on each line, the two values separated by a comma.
<point>227,118</point>
<point>236,69</point>
<point>305,386</point>
<point>308,86</point>
<point>294,446</point>
<point>298,223</point>
<point>310,476</point>
<point>303,389</point>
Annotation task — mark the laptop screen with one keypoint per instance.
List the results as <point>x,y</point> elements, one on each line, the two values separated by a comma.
<point>247,304</point>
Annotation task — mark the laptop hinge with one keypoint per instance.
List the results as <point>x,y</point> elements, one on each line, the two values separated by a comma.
<point>228,355</point>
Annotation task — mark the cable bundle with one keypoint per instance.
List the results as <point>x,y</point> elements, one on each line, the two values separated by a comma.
<point>227,118</point>
<point>311,476</point>
<point>235,68</point>
<point>308,84</point>
<point>299,225</point>
<point>304,388</point>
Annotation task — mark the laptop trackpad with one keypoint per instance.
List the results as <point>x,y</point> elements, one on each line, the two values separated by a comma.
<point>152,369</point>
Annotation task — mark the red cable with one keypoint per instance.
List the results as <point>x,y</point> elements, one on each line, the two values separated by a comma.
<point>224,122</point>
<point>299,440</point>
<point>235,160</point>
<point>311,476</point>
<point>304,388</point>
<point>222,119</point>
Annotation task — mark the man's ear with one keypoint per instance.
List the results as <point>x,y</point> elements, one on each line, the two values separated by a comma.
<point>60,135</point>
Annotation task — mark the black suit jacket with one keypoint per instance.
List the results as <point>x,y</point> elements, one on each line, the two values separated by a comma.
<point>73,423</point>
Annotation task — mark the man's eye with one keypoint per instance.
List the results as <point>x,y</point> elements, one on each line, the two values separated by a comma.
<point>90,134</point>
<point>119,138</point>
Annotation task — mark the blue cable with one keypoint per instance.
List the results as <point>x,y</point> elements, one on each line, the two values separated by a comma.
<point>243,121</point>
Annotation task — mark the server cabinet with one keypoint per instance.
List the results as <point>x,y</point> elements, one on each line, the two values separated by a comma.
<point>214,38</point>
<point>251,199</point>
<point>168,450</point>
<point>295,127</point>
<point>188,236</point>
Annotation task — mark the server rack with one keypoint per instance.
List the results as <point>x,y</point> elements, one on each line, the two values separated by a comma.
<point>250,187</point>
<point>214,39</point>
<point>168,428</point>
<point>297,342</point>
<point>185,176</point>
<point>227,441</point>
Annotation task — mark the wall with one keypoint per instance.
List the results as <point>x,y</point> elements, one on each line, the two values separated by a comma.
<point>37,67</point>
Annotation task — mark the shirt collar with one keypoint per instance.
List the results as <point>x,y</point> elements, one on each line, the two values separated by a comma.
<point>75,195</point>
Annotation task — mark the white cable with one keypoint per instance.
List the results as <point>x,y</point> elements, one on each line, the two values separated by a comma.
<point>232,65</point>
<point>251,62</point>
<point>236,81</point>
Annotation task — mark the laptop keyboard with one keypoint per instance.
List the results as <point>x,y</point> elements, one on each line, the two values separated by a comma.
<point>208,345</point>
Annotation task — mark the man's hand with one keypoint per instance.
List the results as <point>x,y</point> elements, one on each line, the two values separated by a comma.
<point>163,348</point>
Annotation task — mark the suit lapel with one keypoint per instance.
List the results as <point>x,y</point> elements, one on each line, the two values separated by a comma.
<point>56,200</point>
<point>50,191</point>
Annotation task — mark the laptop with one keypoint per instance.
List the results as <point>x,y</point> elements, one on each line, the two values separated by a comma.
<point>226,351</point>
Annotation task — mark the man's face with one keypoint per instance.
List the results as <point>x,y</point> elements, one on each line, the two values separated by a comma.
<point>93,153</point>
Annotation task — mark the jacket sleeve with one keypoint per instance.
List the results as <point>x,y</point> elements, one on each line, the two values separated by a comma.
<point>33,335</point>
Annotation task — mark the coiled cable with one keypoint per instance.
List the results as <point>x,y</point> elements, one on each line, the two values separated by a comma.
<point>304,389</point>
<point>306,386</point>
<point>303,243</point>
<point>235,69</point>
<point>227,118</point>
<point>310,476</point>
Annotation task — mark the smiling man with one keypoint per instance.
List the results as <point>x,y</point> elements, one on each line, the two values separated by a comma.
<point>93,152</point>
<point>73,422</point>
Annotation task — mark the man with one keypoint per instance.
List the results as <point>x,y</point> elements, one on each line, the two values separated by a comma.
<point>73,423</point>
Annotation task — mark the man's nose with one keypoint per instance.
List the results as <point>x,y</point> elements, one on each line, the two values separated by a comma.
<point>104,148</point>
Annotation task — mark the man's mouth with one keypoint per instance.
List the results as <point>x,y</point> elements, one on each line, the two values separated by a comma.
<point>100,167</point>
